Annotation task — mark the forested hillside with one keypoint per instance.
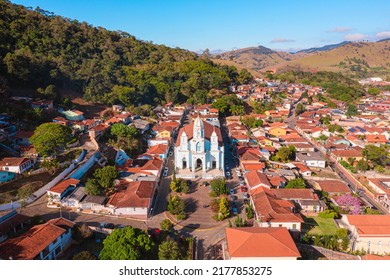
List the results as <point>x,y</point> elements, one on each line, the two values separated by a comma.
<point>38,48</point>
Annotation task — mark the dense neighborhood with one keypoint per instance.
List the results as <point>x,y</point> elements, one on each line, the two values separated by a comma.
<point>272,170</point>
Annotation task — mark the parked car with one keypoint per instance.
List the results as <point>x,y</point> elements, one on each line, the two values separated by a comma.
<point>228,174</point>
<point>165,171</point>
<point>245,195</point>
<point>231,191</point>
<point>242,183</point>
<point>244,189</point>
<point>170,153</point>
<point>234,210</point>
<point>110,226</point>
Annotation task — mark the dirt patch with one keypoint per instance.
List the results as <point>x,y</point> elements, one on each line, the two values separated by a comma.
<point>90,110</point>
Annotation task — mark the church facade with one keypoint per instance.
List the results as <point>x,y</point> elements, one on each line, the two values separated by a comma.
<point>199,151</point>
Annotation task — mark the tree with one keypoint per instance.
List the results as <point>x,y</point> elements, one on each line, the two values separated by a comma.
<point>166,225</point>
<point>92,187</point>
<point>250,213</point>
<point>374,91</point>
<point>299,109</point>
<point>218,187</point>
<point>238,221</point>
<point>349,203</point>
<point>82,232</point>
<point>377,155</point>
<point>285,154</point>
<point>168,250</point>
<point>252,122</point>
<point>121,130</point>
<point>106,176</point>
<point>50,138</point>
<point>224,211</point>
<point>244,77</point>
<point>84,255</point>
<point>51,92</point>
<point>297,183</point>
<point>351,111</point>
<point>176,206</point>
<point>127,243</point>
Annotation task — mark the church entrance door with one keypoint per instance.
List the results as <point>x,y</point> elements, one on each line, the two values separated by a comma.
<point>198,163</point>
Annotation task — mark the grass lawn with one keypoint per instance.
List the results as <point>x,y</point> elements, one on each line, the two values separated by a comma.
<point>321,226</point>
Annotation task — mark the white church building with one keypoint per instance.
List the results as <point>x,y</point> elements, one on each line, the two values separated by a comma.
<point>199,151</point>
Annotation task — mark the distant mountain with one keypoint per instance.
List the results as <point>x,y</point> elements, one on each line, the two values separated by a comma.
<point>324,48</point>
<point>356,59</point>
<point>256,58</point>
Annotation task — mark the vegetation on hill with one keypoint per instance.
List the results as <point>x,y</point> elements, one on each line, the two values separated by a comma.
<point>337,85</point>
<point>39,48</point>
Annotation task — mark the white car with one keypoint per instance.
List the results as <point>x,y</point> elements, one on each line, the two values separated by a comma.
<point>170,153</point>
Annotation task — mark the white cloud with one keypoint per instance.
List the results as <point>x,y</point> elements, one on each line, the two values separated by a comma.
<point>281,40</point>
<point>340,29</point>
<point>355,37</point>
<point>384,34</point>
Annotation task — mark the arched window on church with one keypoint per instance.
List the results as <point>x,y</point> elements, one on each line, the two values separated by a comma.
<point>198,146</point>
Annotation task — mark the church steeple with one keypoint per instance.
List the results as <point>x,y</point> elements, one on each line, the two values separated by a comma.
<point>198,131</point>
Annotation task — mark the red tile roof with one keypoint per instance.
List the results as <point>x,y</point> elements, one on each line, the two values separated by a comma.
<point>253,166</point>
<point>35,240</point>
<point>270,208</point>
<point>333,186</point>
<point>372,138</point>
<point>355,152</point>
<point>133,194</point>
<point>63,185</point>
<point>371,225</point>
<point>370,257</point>
<point>260,242</point>
<point>208,130</point>
<point>157,149</point>
<point>154,164</point>
<point>12,161</point>
<point>294,194</point>
<point>23,134</point>
<point>256,179</point>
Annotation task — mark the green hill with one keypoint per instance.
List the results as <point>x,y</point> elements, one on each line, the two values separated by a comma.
<point>38,48</point>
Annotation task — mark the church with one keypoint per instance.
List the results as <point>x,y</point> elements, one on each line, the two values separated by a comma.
<point>199,151</point>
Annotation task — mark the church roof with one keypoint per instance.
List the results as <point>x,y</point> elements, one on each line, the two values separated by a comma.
<point>208,130</point>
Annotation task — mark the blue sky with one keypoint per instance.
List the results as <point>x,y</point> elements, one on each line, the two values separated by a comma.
<point>228,24</point>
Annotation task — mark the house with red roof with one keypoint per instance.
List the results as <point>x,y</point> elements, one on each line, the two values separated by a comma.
<point>160,151</point>
<point>376,140</point>
<point>42,242</point>
<point>381,190</point>
<point>255,179</point>
<point>370,233</point>
<point>62,189</point>
<point>132,198</point>
<point>259,244</point>
<point>15,164</point>
<point>271,211</point>
<point>332,187</point>
<point>304,199</point>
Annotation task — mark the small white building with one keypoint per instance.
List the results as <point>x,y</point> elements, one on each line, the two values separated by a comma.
<point>311,159</point>
<point>15,164</point>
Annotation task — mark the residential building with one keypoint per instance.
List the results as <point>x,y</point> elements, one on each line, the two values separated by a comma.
<point>381,190</point>
<point>15,165</point>
<point>331,187</point>
<point>311,159</point>
<point>255,179</point>
<point>42,242</point>
<point>370,233</point>
<point>62,189</point>
<point>259,244</point>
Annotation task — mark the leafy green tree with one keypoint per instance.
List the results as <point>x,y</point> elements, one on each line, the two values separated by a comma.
<point>352,110</point>
<point>51,92</point>
<point>218,187</point>
<point>84,255</point>
<point>127,243</point>
<point>121,130</point>
<point>377,155</point>
<point>82,232</point>
<point>244,76</point>
<point>166,225</point>
<point>297,183</point>
<point>250,213</point>
<point>168,250</point>
<point>92,187</point>
<point>252,122</point>
<point>224,211</point>
<point>176,206</point>
<point>299,109</point>
<point>106,176</point>
<point>238,221</point>
<point>50,138</point>
<point>285,154</point>
<point>374,91</point>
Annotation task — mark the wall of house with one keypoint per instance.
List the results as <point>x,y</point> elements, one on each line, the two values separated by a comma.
<point>6,176</point>
<point>153,142</point>
<point>373,245</point>
<point>315,163</point>
<point>290,225</point>
<point>264,258</point>
<point>131,211</point>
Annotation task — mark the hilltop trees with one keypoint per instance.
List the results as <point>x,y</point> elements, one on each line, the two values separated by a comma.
<point>377,155</point>
<point>285,154</point>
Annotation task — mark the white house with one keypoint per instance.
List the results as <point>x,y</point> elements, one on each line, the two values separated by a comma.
<point>199,147</point>
<point>41,242</point>
<point>369,232</point>
<point>133,198</point>
<point>311,159</point>
<point>15,165</point>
